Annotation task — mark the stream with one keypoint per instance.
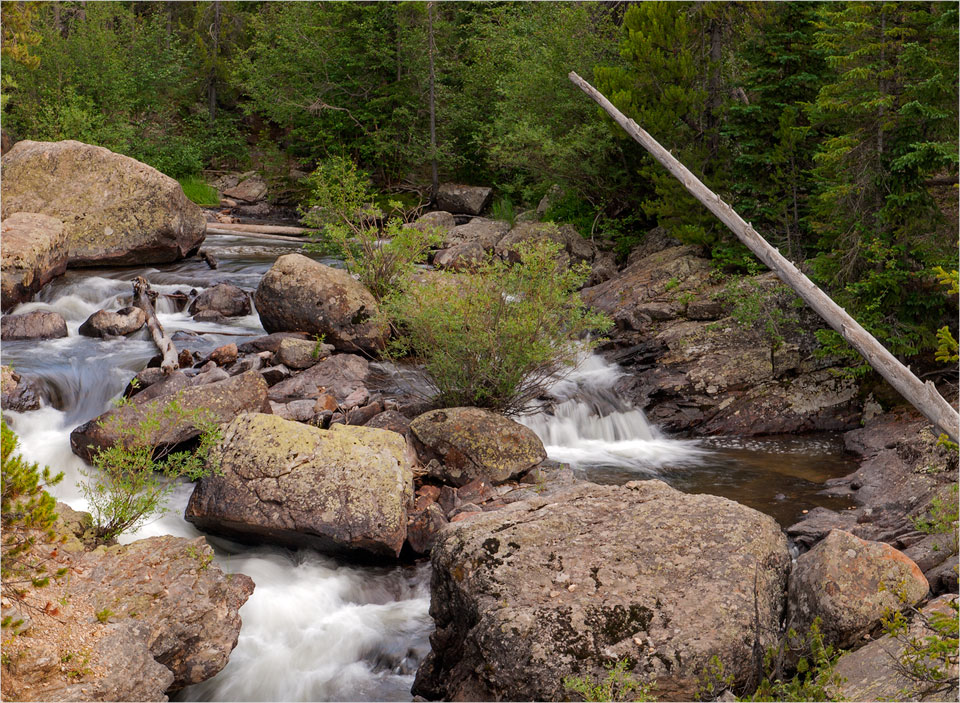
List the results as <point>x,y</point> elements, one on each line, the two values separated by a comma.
<point>316,628</point>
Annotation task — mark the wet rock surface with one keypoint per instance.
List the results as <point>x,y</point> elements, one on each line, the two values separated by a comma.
<point>109,323</point>
<point>562,585</point>
<point>343,490</point>
<point>19,393</point>
<point>224,298</point>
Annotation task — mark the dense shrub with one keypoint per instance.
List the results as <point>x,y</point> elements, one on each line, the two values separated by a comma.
<point>494,339</point>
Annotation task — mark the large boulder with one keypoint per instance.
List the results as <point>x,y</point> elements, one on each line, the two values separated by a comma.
<point>547,588</point>
<point>18,393</point>
<point>34,252</point>
<point>574,246</point>
<point>462,444</point>
<point>115,210</point>
<point>224,298</point>
<point>438,220</point>
<point>850,584</point>
<point>343,490</point>
<point>462,257</point>
<point>467,200</point>
<point>299,294</point>
<point>250,189</point>
<point>142,620</point>
<point>39,324</point>
<point>220,401</point>
<point>486,233</point>
<point>107,323</point>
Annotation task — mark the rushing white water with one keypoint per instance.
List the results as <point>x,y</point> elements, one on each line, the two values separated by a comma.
<point>589,426</point>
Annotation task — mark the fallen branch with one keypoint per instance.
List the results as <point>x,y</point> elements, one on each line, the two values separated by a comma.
<point>142,298</point>
<point>260,229</point>
<point>258,235</point>
<point>923,396</point>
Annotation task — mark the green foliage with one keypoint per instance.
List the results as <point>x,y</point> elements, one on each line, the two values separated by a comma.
<point>941,517</point>
<point>769,309</point>
<point>27,518</point>
<point>103,616</point>
<point>503,209</point>
<point>199,192</point>
<point>493,339</point>
<point>618,685</point>
<point>132,478</point>
<point>317,345</point>
<point>341,205</point>
<point>714,680</point>
<point>815,678</point>
<point>928,661</point>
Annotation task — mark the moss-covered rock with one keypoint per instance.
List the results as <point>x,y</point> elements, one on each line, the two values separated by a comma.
<point>343,490</point>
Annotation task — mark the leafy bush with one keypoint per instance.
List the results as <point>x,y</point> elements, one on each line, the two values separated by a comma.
<point>133,479</point>
<point>618,685</point>
<point>342,206</point>
<point>504,209</point>
<point>493,339</point>
<point>928,662</point>
<point>814,680</point>
<point>27,517</point>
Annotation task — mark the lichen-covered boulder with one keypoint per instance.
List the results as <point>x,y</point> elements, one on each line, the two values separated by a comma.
<point>485,233</point>
<point>850,584</point>
<point>302,353</point>
<point>564,585</point>
<point>39,324</point>
<point>299,294</point>
<point>339,376</point>
<point>462,257</point>
<point>224,298</point>
<point>462,444</point>
<point>221,401</point>
<point>342,490</point>
<point>573,245</point>
<point>108,323</point>
<point>34,252</point>
<point>438,220</point>
<point>116,210</point>
<point>468,200</point>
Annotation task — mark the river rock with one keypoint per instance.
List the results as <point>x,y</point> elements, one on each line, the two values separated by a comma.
<point>542,589</point>
<point>872,673</point>
<point>465,444</point>
<point>850,583</point>
<point>390,420</point>
<point>462,257</point>
<point>223,400</point>
<point>462,199</point>
<point>437,220</point>
<point>424,527</point>
<point>106,323</point>
<point>576,247</point>
<point>268,342</point>
<point>298,294</point>
<point>342,490</point>
<point>486,233</point>
<point>39,324</point>
<point>115,210</point>
<point>18,393</point>
<point>34,252</point>
<point>250,190</point>
<point>339,375</point>
<point>302,353</point>
<point>224,298</point>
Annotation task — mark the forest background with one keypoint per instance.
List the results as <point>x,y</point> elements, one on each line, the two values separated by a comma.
<point>832,127</point>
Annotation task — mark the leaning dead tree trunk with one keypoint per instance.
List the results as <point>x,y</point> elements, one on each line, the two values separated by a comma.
<point>142,299</point>
<point>923,396</point>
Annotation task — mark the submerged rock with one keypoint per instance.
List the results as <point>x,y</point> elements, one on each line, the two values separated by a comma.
<point>298,294</point>
<point>343,490</point>
<point>850,584</point>
<point>460,445</point>
<point>563,586</point>
<point>115,210</point>
<point>18,393</point>
<point>34,252</point>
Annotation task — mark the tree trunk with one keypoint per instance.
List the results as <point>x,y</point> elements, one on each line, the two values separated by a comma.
<point>435,179</point>
<point>215,57</point>
<point>923,396</point>
<point>141,299</point>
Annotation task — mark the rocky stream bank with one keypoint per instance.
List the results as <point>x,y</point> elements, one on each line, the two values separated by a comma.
<point>537,574</point>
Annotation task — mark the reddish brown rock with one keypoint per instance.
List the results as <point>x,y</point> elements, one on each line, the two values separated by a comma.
<point>34,252</point>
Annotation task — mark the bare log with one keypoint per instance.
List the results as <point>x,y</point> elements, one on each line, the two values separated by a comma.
<point>142,299</point>
<point>923,396</point>
<point>260,229</point>
<point>218,229</point>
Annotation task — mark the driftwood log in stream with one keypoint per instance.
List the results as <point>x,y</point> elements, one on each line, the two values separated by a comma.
<point>142,298</point>
<point>261,229</point>
<point>923,396</point>
<point>218,229</point>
